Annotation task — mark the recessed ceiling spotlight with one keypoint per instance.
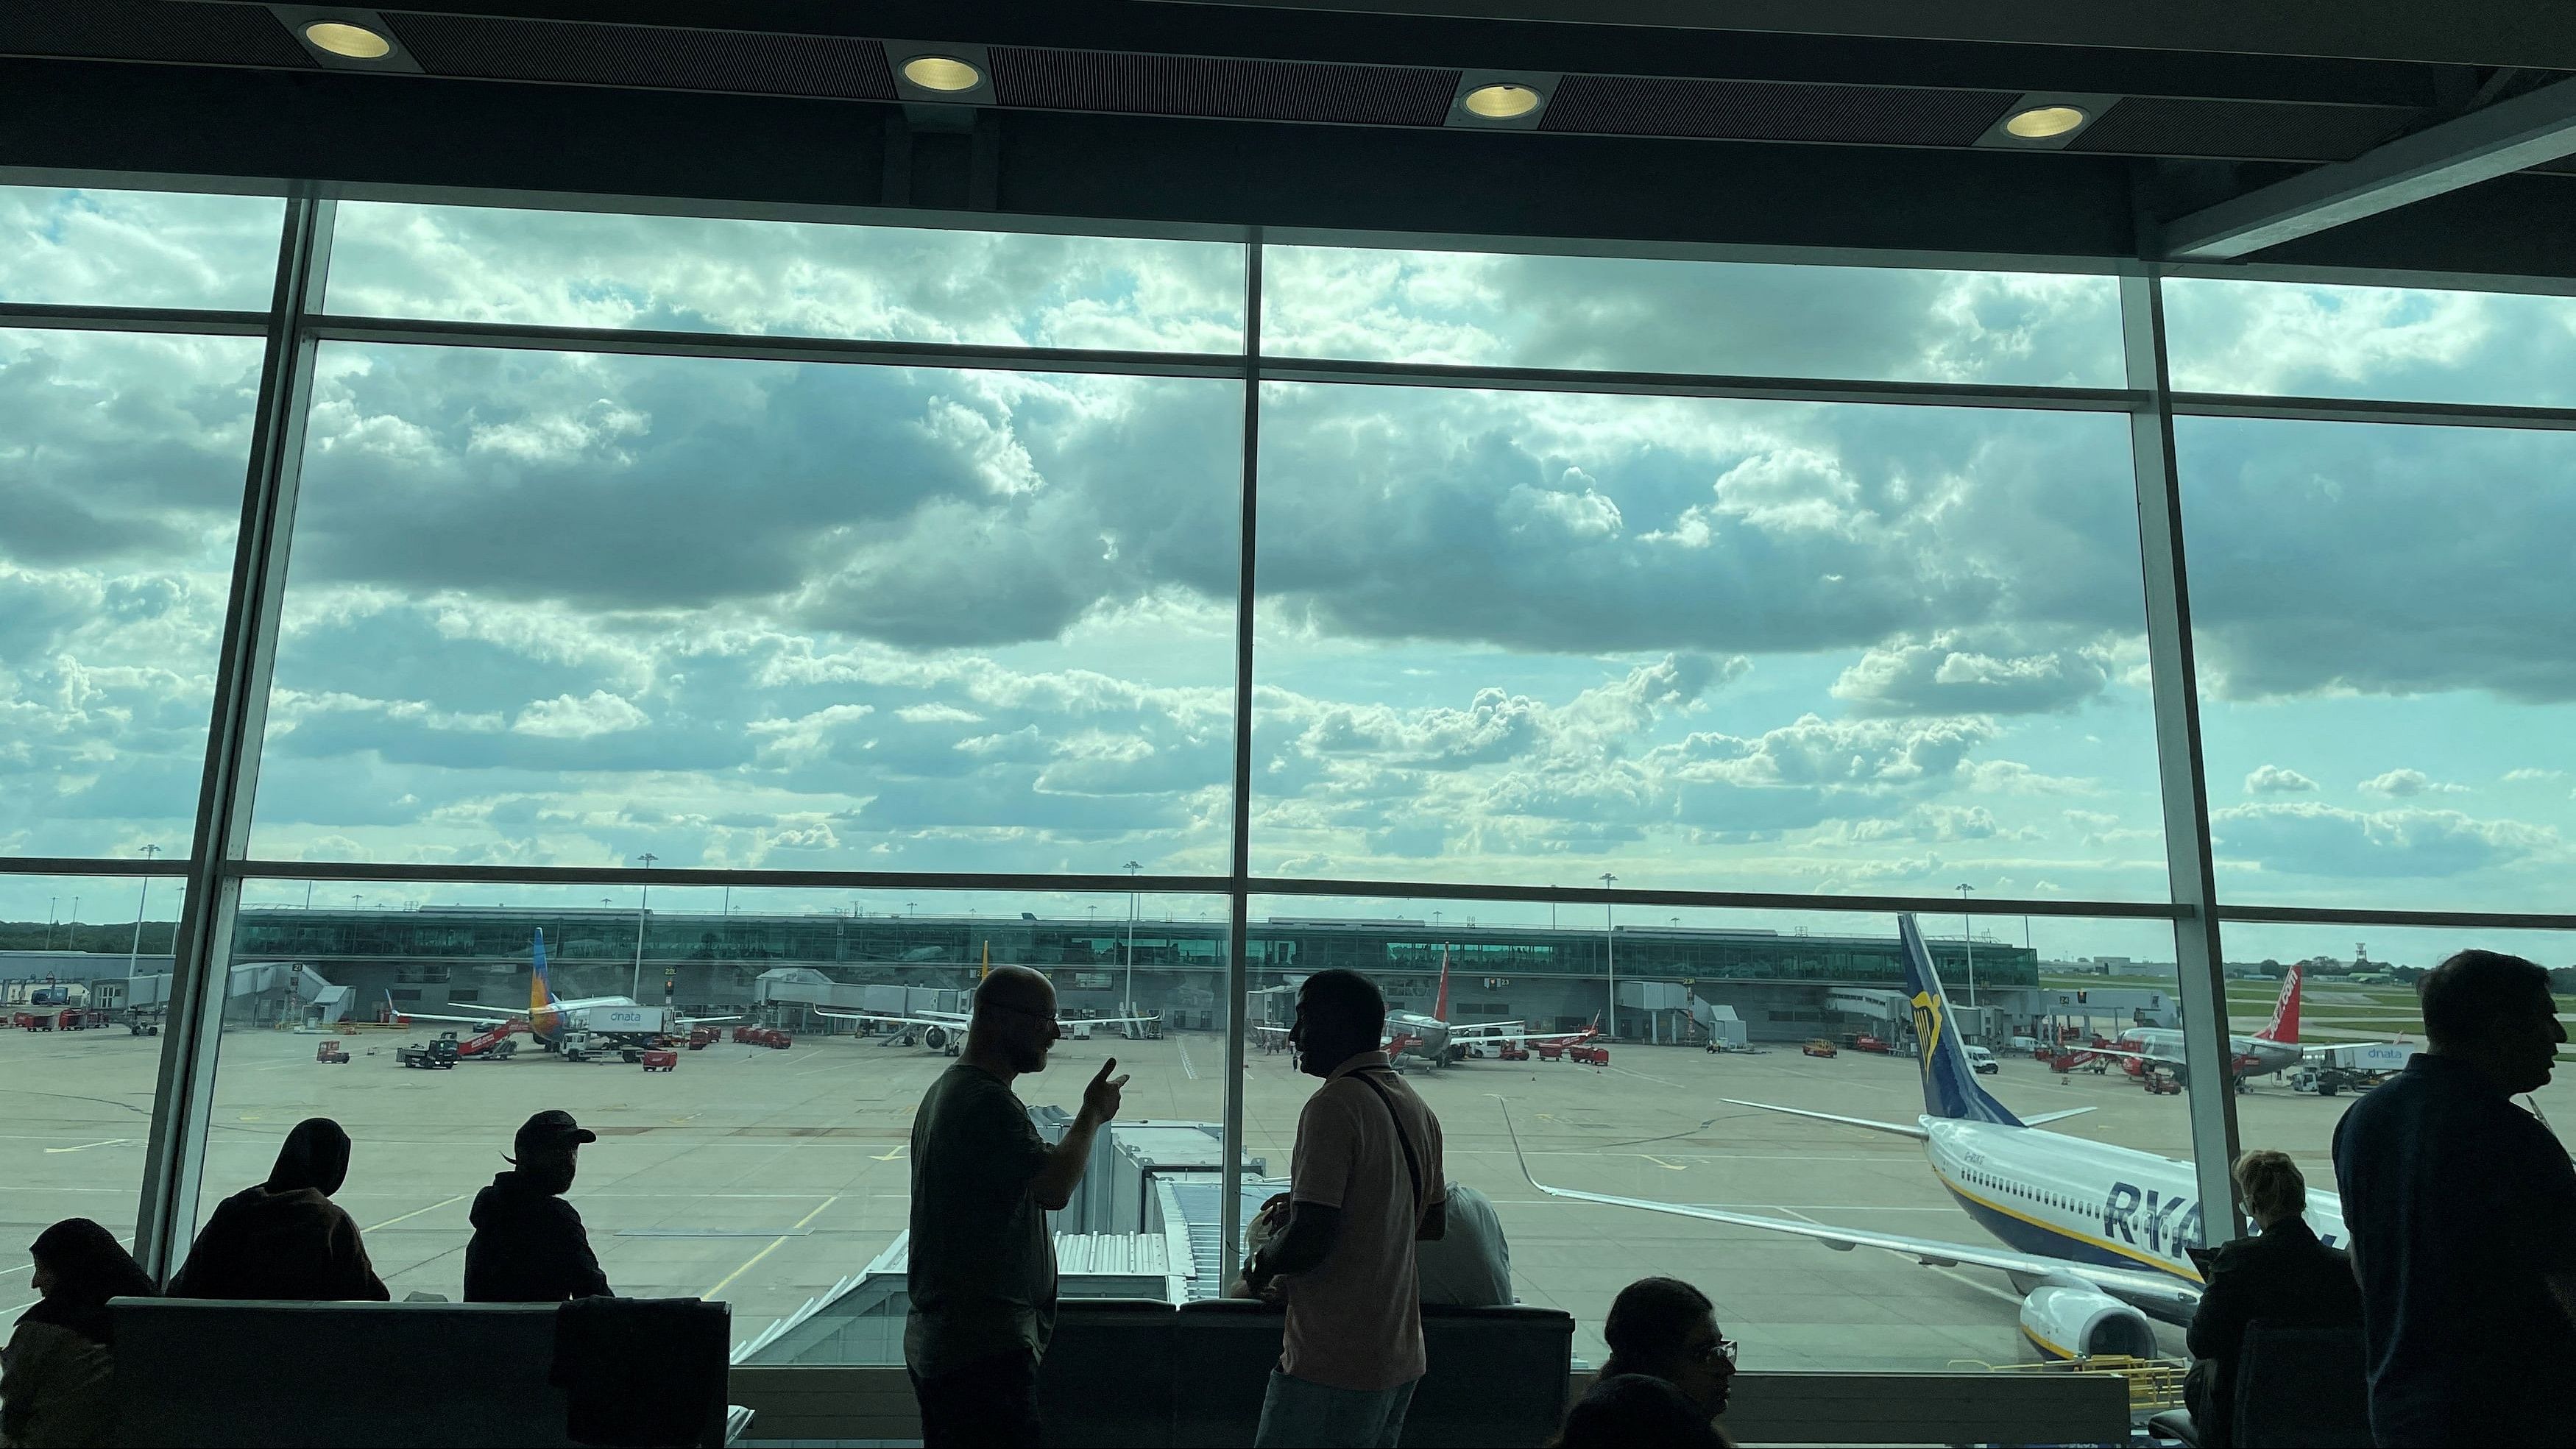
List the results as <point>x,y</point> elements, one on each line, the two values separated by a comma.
<point>354,41</point>
<point>1501,102</point>
<point>2041,122</point>
<point>941,73</point>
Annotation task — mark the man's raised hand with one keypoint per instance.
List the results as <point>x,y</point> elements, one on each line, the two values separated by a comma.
<point>1100,1098</point>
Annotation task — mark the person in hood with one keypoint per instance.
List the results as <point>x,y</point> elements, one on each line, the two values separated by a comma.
<point>528,1244</point>
<point>285,1239</point>
<point>57,1376</point>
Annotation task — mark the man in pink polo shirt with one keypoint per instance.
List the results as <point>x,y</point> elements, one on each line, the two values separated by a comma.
<point>1365,1184</point>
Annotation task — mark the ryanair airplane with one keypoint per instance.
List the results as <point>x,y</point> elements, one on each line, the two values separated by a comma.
<point>2097,1238</point>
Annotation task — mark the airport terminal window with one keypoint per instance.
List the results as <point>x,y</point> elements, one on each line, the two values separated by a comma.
<point>905,284</point>
<point>121,464</point>
<point>769,1167</point>
<point>1797,647</point>
<point>1875,323</point>
<point>562,608</point>
<point>2401,343</point>
<point>508,630</point>
<point>2377,726</point>
<point>84,967</point>
<point>89,247</point>
<point>1655,1119</point>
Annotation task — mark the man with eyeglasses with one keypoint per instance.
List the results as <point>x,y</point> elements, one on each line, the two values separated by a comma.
<point>982,1264</point>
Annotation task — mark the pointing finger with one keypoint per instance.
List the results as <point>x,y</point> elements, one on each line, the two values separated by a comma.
<point>1106,1068</point>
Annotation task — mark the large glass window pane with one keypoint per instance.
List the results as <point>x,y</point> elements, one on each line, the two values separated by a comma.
<point>2371,342</point>
<point>2359,1018</point>
<point>137,248</point>
<point>1704,317</point>
<point>84,980</point>
<point>121,465</point>
<point>566,608</point>
<point>1695,644</point>
<point>584,269</point>
<point>770,1171</point>
<point>1814,1012</point>
<point>2386,681</point>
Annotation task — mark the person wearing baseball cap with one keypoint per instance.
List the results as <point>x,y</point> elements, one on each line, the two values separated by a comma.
<point>529,1245</point>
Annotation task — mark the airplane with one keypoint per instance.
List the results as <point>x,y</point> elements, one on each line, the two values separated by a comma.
<point>550,1020</point>
<point>945,1031</point>
<point>2097,1238</point>
<point>1437,1041</point>
<point>2273,1049</point>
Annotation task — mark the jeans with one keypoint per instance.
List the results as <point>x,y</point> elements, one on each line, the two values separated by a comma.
<point>992,1401</point>
<point>1297,1414</point>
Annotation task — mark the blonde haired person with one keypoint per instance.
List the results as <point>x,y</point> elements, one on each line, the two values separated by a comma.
<point>2283,1274</point>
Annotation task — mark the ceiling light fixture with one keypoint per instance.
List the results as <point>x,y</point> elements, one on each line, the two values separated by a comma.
<point>941,73</point>
<point>2042,122</point>
<point>1501,102</point>
<point>354,41</point>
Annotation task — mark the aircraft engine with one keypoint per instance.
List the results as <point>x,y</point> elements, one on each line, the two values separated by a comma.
<point>2074,1319</point>
<point>935,1037</point>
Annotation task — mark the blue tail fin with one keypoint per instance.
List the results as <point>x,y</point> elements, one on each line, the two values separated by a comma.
<point>1949,1084</point>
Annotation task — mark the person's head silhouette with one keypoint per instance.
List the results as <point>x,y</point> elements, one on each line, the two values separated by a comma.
<point>2494,1012</point>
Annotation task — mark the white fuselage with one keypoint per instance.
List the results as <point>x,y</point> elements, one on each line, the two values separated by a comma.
<point>2049,1194</point>
<point>2253,1055</point>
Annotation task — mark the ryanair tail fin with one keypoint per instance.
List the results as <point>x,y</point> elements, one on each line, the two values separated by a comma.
<point>1950,1086</point>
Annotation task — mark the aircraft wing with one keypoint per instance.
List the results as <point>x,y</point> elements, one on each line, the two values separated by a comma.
<point>702,1020</point>
<point>488,1018</point>
<point>953,1023</point>
<point>2136,1287</point>
<point>1490,1031</point>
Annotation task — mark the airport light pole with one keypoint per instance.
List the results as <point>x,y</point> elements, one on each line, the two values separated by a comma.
<point>136,949</point>
<point>643,903</point>
<point>1968,941</point>
<point>1610,952</point>
<point>53,908</point>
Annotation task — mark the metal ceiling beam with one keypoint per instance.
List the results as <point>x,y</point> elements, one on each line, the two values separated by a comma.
<point>2504,138</point>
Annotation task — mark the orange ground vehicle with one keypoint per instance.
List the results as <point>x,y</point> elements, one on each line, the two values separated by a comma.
<point>1590,1056</point>
<point>1819,1048</point>
<point>331,1051</point>
<point>661,1059</point>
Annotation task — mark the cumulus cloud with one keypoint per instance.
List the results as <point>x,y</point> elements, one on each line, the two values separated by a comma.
<point>2405,784</point>
<point>2305,838</point>
<point>2276,780</point>
<point>566,718</point>
<point>1951,674</point>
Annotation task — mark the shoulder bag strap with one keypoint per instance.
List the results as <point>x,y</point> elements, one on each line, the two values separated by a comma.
<point>1412,1164</point>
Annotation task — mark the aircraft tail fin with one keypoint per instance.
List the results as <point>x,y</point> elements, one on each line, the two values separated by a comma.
<point>1950,1087</point>
<point>2284,1027</point>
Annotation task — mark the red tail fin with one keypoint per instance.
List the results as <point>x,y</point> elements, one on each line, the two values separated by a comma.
<point>1440,1011</point>
<point>2285,1014</point>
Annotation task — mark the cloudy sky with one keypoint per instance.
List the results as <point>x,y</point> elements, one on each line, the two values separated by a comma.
<point>551,608</point>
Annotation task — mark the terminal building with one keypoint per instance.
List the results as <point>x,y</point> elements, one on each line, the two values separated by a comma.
<point>1672,980</point>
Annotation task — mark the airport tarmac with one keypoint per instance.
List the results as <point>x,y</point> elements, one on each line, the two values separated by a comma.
<point>763,1177</point>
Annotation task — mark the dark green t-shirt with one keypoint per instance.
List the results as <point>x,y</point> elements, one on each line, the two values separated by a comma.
<point>982,1262</point>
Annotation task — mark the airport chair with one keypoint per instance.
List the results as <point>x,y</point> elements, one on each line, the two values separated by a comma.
<point>214,1372</point>
<point>1493,1376</point>
<point>1223,1350</point>
<point>1107,1380</point>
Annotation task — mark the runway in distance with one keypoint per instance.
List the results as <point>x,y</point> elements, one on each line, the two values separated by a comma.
<point>550,1020</point>
<point>2096,1238</point>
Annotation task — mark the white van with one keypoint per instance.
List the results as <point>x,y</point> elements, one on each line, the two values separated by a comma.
<point>1982,1062</point>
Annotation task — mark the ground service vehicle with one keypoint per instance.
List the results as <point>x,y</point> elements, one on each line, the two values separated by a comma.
<point>1982,1062</point>
<point>331,1051</point>
<point>1512,1052</point>
<point>433,1056</point>
<point>661,1059</point>
<point>1818,1048</point>
<point>1590,1056</point>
